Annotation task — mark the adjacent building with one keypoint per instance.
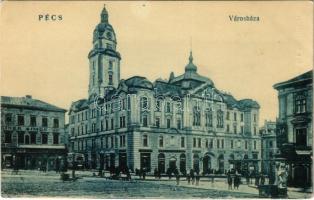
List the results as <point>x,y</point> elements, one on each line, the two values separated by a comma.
<point>32,133</point>
<point>268,147</point>
<point>183,122</point>
<point>295,127</point>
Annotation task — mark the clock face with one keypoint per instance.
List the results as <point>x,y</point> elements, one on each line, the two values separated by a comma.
<point>109,35</point>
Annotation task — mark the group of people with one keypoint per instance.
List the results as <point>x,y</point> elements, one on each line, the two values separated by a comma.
<point>233,179</point>
<point>193,177</point>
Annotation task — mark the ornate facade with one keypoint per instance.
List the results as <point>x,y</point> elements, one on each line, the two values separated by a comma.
<point>183,122</point>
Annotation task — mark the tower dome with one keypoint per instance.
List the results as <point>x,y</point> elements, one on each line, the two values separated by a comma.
<point>190,67</point>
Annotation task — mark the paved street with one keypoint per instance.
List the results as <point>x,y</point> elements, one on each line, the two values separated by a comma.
<point>36,184</point>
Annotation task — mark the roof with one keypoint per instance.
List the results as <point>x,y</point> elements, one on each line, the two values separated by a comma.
<point>164,88</point>
<point>29,102</point>
<point>138,82</point>
<point>305,77</point>
<point>230,100</point>
<point>248,103</point>
<point>79,105</point>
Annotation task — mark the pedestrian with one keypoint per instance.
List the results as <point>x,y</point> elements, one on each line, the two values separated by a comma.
<point>144,173</point>
<point>177,174</point>
<point>262,179</point>
<point>140,173</point>
<point>229,179</point>
<point>188,177</point>
<point>192,176</point>
<point>257,177</point>
<point>197,177</point>
<point>155,173</point>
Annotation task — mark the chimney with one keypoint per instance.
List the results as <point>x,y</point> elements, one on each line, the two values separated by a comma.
<point>28,96</point>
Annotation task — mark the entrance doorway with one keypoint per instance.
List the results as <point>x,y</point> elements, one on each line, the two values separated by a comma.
<point>161,163</point>
<point>206,164</point>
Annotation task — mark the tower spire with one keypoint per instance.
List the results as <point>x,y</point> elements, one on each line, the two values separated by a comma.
<point>104,15</point>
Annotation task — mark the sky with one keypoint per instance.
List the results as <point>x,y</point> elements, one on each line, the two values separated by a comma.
<point>48,59</point>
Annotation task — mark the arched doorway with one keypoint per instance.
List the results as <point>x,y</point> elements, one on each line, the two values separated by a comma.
<point>221,163</point>
<point>196,163</point>
<point>161,163</point>
<point>183,163</point>
<point>206,164</point>
<point>172,164</point>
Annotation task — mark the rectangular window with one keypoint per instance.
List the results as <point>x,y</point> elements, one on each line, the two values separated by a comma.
<point>242,129</point>
<point>241,117</point>
<point>228,115</point>
<point>33,120</point>
<point>86,128</point>
<point>44,122</point>
<point>33,138</point>
<point>145,141</point>
<point>8,137</point>
<point>199,142</point>
<point>8,118</point>
<point>218,144</point>
<point>20,120</point>
<point>158,105</point>
<point>254,143</point>
<point>168,107</point>
<point>271,144</point>
<point>231,144</point>
<point>206,143</point>
<point>157,122</point>
<point>161,141</point>
<point>168,123</point>
<point>228,128</point>
<point>145,123</point>
<point>235,116</point>
<point>235,129</point>
<point>301,137</point>
<point>55,123</point>
<point>254,116</point>
<point>122,140</point>
<point>122,122</point>
<point>55,138</point>
<point>254,130</point>
<point>111,142</point>
<point>194,142</point>
<point>107,124</point>
<point>178,123</point>
<point>112,124</point>
<point>182,142</point>
<point>211,143</point>
<point>222,143</point>
<point>246,145</point>
<point>44,138</point>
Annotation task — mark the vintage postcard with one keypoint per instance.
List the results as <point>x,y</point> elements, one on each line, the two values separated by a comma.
<point>156,99</point>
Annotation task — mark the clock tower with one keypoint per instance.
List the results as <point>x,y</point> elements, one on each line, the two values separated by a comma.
<point>104,60</point>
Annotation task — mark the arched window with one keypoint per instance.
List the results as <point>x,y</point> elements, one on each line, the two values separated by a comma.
<point>220,119</point>
<point>196,116</point>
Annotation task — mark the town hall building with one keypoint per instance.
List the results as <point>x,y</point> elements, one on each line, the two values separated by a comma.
<point>183,122</point>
